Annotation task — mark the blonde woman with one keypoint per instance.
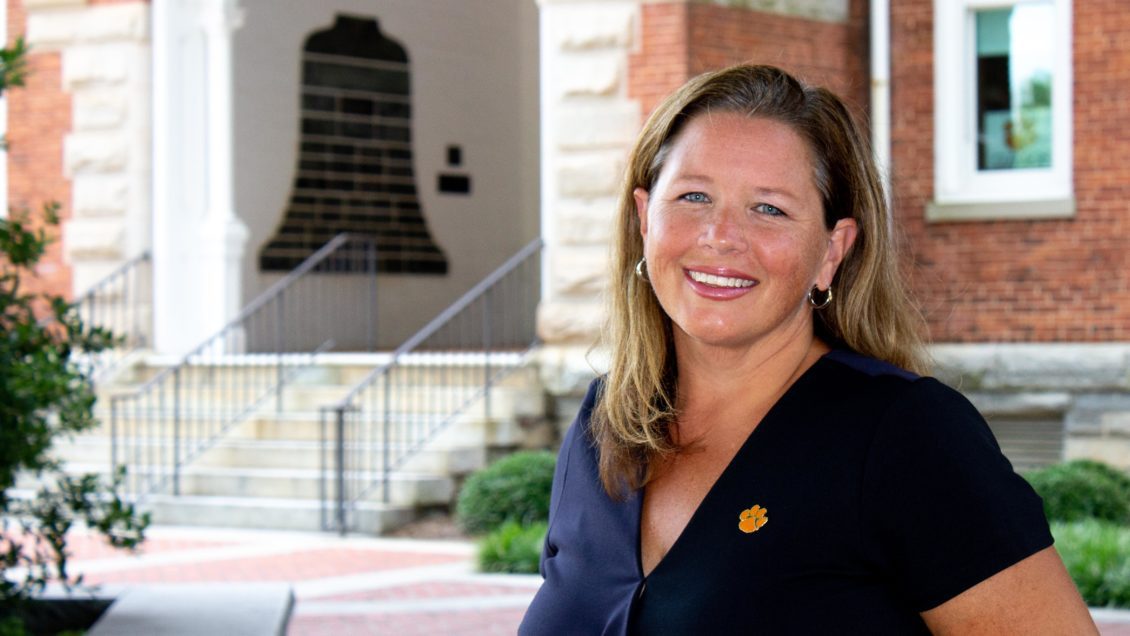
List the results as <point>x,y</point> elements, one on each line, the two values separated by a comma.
<point>762,455</point>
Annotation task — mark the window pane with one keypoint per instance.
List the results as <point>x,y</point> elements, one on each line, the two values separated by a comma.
<point>1014,85</point>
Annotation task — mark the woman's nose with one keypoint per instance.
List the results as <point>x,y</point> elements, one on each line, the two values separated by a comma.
<point>724,230</point>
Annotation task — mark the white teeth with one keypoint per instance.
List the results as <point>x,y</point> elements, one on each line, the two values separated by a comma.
<point>721,281</point>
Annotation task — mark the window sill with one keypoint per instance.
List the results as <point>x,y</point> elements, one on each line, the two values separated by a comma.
<point>1001,210</point>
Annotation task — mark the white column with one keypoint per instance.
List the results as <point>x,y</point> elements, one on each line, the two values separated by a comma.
<point>199,240</point>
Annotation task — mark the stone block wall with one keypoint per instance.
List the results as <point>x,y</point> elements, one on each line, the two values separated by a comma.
<point>79,132</point>
<point>589,123</point>
<point>1064,280</point>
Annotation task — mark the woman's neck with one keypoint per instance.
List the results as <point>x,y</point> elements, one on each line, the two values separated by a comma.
<point>720,388</point>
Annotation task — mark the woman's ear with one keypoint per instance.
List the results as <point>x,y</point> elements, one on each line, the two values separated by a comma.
<point>642,196</point>
<point>840,241</point>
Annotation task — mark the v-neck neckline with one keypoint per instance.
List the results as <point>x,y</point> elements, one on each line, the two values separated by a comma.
<point>743,450</point>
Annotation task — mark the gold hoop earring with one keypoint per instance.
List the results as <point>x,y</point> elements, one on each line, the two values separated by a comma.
<point>819,304</point>
<point>640,273</point>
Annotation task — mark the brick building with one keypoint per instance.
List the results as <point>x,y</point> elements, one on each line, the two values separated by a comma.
<point>1003,126</point>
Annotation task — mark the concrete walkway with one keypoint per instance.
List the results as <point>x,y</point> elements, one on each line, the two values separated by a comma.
<point>351,585</point>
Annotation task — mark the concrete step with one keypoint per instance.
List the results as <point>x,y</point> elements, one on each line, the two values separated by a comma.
<point>298,454</point>
<point>277,514</point>
<point>463,430</point>
<point>369,516</point>
<point>264,471</point>
<point>213,402</point>
<point>332,368</point>
<point>410,489</point>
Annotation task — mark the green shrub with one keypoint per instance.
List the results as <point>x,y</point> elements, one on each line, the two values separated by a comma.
<point>45,394</point>
<point>1097,555</point>
<point>513,548</point>
<point>1083,489</point>
<point>515,488</point>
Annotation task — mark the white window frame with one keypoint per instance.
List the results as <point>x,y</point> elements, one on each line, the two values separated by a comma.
<point>961,191</point>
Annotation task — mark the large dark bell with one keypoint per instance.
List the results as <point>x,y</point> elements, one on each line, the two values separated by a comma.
<point>355,161</point>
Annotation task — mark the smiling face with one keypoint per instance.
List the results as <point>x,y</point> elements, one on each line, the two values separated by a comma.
<point>734,233</point>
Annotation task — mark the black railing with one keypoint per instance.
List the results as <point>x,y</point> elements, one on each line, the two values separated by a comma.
<point>184,409</point>
<point>122,303</point>
<point>445,370</point>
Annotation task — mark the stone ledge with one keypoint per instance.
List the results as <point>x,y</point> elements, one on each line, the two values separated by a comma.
<point>1049,405</point>
<point>1053,367</point>
<point>187,609</point>
<point>824,10</point>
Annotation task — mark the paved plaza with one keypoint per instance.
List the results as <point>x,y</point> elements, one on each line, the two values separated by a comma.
<point>348,585</point>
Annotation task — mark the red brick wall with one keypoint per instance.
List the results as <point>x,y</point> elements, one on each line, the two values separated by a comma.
<point>1023,281</point>
<point>39,116</point>
<point>662,62</point>
<point>681,39</point>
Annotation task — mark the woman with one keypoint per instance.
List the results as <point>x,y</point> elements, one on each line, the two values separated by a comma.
<point>761,455</point>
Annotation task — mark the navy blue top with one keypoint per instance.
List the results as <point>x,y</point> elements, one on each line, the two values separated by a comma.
<point>882,495</point>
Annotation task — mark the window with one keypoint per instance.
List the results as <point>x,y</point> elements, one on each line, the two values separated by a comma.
<point>1002,116</point>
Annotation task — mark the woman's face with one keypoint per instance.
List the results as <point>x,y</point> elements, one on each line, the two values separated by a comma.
<point>734,233</point>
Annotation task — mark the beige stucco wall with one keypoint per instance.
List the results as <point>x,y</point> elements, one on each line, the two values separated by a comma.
<point>474,81</point>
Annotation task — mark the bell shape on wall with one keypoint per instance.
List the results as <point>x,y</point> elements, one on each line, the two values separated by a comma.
<point>355,155</point>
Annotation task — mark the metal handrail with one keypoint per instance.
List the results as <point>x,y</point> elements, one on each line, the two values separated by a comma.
<point>474,343</point>
<point>119,303</point>
<point>164,424</point>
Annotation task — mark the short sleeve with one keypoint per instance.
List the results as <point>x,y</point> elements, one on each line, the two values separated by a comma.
<point>575,434</point>
<point>947,509</point>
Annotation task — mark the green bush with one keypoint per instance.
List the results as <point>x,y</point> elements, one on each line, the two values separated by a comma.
<point>515,488</point>
<point>1097,555</point>
<point>45,394</point>
<point>1083,489</point>
<point>513,548</point>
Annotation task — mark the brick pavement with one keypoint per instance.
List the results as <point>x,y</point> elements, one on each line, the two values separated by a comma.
<point>351,585</point>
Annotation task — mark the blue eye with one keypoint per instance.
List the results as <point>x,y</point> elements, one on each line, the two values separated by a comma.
<point>770,210</point>
<point>695,197</point>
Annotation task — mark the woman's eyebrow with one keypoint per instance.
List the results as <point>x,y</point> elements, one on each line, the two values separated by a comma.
<point>776,192</point>
<point>692,177</point>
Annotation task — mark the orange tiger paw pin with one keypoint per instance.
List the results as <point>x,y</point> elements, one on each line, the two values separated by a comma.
<point>751,519</point>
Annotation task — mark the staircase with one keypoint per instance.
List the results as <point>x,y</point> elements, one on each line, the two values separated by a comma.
<point>268,424</point>
<point>268,470</point>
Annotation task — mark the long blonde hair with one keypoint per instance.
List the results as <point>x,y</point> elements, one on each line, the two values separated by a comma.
<point>872,313</point>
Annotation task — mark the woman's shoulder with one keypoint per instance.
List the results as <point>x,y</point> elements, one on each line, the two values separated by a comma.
<point>889,384</point>
<point>868,366</point>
